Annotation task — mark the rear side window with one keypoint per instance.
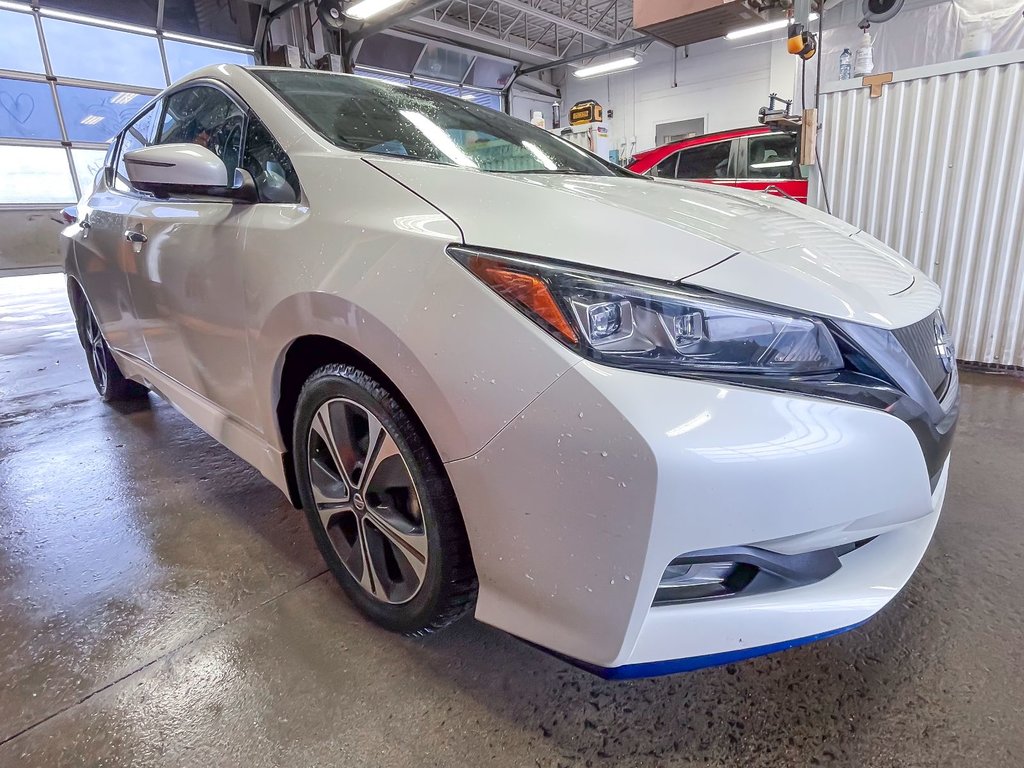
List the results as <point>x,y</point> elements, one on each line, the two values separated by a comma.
<point>708,161</point>
<point>137,135</point>
<point>666,169</point>
<point>772,156</point>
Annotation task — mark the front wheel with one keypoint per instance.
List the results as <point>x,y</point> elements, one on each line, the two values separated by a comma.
<point>379,503</point>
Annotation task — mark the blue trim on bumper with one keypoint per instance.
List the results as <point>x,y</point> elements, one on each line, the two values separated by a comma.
<point>671,666</point>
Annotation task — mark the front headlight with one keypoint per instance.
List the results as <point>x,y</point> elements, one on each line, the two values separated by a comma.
<point>631,323</point>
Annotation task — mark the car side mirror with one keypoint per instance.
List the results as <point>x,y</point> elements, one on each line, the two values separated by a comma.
<point>169,170</point>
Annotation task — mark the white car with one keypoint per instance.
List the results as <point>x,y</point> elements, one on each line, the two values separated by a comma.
<point>647,426</point>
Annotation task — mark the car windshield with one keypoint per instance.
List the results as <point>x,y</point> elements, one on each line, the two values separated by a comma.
<point>367,115</point>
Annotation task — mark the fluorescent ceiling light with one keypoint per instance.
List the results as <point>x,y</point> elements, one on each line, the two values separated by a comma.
<point>367,8</point>
<point>609,66</point>
<point>124,98</point>
<point>91,120</point>
<point>96,22</point>
<point>768,26</point>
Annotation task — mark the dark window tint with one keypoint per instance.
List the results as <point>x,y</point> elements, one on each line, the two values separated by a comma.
<point>772,156</point>
<point>709,161</point>
<point>139,134</point>
<point>205,116</point>
<point>666,169</point>
<point>264,158</point>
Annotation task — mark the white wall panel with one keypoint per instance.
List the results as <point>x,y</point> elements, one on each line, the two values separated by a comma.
<point>723,82</point>
<point>935,168</point>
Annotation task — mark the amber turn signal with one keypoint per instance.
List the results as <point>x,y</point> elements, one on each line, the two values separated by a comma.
<point>527,291</point>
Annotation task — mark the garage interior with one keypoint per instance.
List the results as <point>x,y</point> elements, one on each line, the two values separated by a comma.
<point>161,603</point>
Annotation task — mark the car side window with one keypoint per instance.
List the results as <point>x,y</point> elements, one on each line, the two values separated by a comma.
<point>666,169</point>
<point>206,116</point>
<point>708,161</point>
<point>270,167</point>
<point>138,134</point>
<point>772,156</point>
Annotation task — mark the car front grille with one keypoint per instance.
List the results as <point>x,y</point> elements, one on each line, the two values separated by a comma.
<point>921,345</point>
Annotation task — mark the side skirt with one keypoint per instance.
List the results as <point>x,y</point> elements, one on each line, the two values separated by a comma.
<point>236,436</point>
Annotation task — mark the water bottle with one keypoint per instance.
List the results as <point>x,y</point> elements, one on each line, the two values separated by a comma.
<point>845,67</point>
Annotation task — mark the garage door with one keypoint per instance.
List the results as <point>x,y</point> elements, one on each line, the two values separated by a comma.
<point>69,83</point>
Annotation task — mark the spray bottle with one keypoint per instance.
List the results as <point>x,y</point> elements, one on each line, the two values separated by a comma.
<point>863,64</point>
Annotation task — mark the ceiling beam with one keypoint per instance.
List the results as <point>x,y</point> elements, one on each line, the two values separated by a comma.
<point>477,40</point>
<point>554,18</point>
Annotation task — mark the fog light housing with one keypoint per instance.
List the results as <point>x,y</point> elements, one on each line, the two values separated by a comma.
<point>684,581</point>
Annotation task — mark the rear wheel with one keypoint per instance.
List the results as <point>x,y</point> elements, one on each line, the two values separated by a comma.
<point>379,503</point>
<point>106,375</point>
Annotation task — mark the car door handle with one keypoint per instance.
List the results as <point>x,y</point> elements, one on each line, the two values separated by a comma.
<point>133,236</point>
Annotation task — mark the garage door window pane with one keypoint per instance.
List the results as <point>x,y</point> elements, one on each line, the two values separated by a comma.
<point>183,58</point>
<point>35,175</point>
<point>91,114</point>
<point>19,42</point>
<point>87,52</point>
<point>772,157</point>
<point>708,162</point>
<point>233,21</point>
<point>443,63</point>
<point>141,12</point>
<point>27,111</point>
<point>87,164</point>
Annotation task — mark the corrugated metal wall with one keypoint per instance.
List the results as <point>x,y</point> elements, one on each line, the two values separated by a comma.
<point>935,168</point>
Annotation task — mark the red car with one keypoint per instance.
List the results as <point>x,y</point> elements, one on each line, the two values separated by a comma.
<point>752,158</point>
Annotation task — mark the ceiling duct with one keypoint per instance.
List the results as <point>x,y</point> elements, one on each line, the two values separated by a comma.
<point>685,22</point>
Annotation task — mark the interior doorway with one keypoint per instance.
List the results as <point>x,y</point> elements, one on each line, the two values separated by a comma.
<point>666,133</point>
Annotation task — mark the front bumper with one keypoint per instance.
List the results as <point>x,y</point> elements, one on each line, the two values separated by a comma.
<point>576,508</point>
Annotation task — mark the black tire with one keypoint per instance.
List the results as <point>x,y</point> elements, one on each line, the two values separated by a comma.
<point>447,588</point>
<point>110,383</point>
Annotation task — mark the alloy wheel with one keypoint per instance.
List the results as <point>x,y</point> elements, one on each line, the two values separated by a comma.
<point>96,349</point>
<point>367,501</point>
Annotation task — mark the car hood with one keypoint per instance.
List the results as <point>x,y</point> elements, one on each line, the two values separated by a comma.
<point>743,243</point>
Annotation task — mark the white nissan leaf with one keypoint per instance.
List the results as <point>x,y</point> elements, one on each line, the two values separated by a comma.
<point>647,426</point>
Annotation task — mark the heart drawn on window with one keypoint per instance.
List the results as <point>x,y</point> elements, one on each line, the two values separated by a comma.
<point>19,107</point>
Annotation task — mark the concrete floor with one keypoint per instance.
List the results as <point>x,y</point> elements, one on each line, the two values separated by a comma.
<point>162,604</point>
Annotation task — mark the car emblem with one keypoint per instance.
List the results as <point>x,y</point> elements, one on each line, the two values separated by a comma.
<point>358,502</point>
<point>944,344</point>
